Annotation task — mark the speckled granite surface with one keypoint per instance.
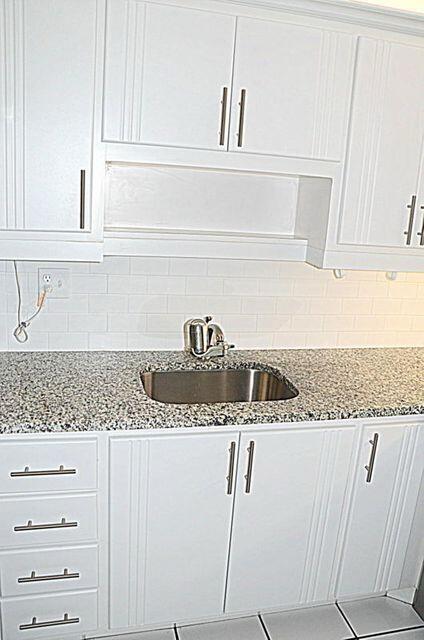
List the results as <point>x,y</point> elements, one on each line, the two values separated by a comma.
<point>55,392</point>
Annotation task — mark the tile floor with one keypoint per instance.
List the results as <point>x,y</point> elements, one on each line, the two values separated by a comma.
<point>375,618</point>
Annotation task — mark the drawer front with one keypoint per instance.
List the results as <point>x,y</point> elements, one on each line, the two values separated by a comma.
<point>47,466</point>
<point>26,573</point>
<point>49,616</point>
<point>26,522</point>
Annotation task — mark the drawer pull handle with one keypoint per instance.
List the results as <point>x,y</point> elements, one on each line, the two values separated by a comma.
<point>420,234</point>
<point>66,575</point>
<point>82,199</point>
<point>49,623</point>
<point>370,466</point>
<point>230,477</point>
<point>54,525</point>
<point>408,232</point>
<point>242,105</point>
<point>248,476</point>
<point>223,116</point>
<point>27,473</point>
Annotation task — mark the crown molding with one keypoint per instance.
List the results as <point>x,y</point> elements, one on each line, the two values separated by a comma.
<point>351,12</point>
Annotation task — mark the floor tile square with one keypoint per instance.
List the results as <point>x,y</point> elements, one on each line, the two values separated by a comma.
<point>319,623</point>
<point>240,629</point>
<point>379,615</point>
<point>163,634</point>
<point>416,634</point>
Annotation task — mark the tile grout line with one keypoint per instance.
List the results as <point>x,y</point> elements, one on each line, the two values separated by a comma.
<point>265,630</point>
<point>381,634</point>
<point>345,618</point>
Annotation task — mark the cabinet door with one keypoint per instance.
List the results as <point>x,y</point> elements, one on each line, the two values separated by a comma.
<point>287,517</point>
<point>296,83</point>
<point>166,71</point>
<point>169,528</point>
<point>381,509</point>
<point>47,100</point>
<point>386,144</point>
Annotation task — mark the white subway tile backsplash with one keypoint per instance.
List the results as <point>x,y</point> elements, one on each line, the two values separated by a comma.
<point>127,284</point>
<point>88,322</point>
<point>166,284</point>
<point>103,302</point>
<point>141,303</point>
<point>89,283</point>
<point>149,266</point>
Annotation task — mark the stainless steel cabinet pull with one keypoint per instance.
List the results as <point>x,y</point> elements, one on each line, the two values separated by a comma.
<point>49,623</point>
<point>26,473</point>
<point>82,199</point>
<point>242,105</point>
<point>421,233</point>
<point>408,232</point>
<point>54,525</point>
<point>223,116</point>
<point>248,476</point>
<point>66,575</point>
<point>370,466</point>
<point>230,477</point>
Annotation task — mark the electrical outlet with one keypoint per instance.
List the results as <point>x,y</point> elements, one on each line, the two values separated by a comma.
<point>55,281</point>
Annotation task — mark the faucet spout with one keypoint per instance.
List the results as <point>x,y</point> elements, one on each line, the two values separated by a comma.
<point>204,339</point>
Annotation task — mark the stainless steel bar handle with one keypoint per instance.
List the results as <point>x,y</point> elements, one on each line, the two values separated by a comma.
<point>49,623</point>
<point>230,477</point>
<point>26,473</point>
<point>223,116</point>
<point>242,105</point>
<point>370,466</point>
<point>248,476</point>
<point>66,575</point>
<point>408,232</point>
<point>421,233</point>
<point>54,525</point>
<point>82,199</point>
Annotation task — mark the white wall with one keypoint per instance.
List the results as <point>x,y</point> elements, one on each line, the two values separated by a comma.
<point>141,303</point>
<point>405,5</point>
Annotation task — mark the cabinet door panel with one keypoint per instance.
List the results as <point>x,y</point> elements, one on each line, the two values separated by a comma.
<point>298,84</point>
<point>285,529</point>
<point>382,510</point>
<point>166,68</point>
<point>49,96</point>
<point>169,541</point>
<point>386,144</point>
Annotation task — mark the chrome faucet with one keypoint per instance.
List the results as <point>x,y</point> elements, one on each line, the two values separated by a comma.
<point>205,339</point>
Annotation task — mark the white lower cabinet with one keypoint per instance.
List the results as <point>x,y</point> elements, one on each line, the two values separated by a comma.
<point>49,616</point>
<point>171,505</point>
<point>288,505</point>
<point>381,511</point>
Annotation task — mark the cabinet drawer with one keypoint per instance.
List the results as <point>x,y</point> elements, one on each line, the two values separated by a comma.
<point>49,616</point>
<point>31,572</point>
<point>47,466</point>
<point>48,520</point>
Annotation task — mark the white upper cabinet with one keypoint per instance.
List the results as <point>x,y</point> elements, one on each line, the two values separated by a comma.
<point>168,75</point>
<point>169,82</point>
<point>291,89</point>
<point>47,97</point>
<point>382,204</point>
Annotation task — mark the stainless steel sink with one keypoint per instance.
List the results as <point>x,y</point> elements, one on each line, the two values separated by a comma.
<point>222,385</point>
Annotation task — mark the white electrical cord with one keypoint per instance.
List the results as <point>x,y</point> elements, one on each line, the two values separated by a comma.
<point>21,333</point>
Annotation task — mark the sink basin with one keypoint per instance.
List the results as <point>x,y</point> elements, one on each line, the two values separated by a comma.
<point>222,385</point>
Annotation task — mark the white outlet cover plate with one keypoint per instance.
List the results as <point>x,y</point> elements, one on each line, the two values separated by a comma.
<point>59,280</point>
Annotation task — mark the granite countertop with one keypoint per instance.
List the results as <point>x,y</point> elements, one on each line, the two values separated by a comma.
<point>95,391</point>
